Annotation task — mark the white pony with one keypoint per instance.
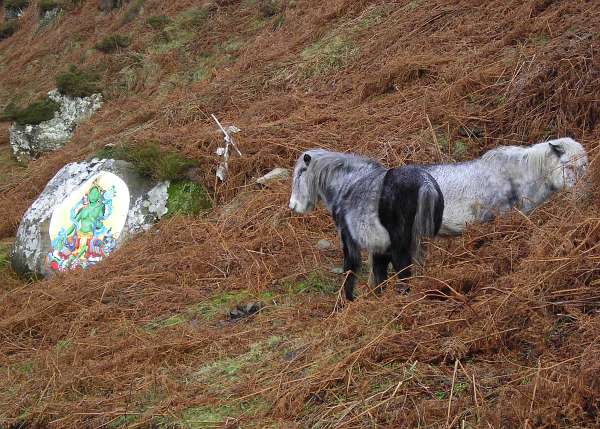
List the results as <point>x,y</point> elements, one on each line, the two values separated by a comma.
<point>506,177</point>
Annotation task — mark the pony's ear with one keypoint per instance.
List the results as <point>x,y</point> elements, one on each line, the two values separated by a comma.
<point>557,148</point>
<point>307,159</point>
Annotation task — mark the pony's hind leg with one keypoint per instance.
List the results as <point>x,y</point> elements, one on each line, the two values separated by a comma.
<point>351,262</point>
<point>380,270</point>
<point>401,261</point>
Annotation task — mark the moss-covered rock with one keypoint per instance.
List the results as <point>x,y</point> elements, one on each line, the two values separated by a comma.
<point>35,113</point>
<point>112,43</point>
<point>15,6</point>
<point>48,5</point>
<point>78,83</point>
<point>187,198</point>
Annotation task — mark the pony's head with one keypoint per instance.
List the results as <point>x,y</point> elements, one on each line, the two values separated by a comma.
<point>567,162</point>
<point>305,194</point>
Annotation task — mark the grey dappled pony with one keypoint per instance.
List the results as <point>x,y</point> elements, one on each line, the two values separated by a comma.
<point>383,211</point>
<point>506,177</point>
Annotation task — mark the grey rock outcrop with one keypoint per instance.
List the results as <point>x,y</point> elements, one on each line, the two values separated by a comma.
<point>85,212</point>
<point>29,141</point>
<point>49,15</point>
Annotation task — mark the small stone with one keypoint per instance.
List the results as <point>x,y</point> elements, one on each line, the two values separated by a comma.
<point>289,356</point>
<point>324,244</point>
<point>245,310</point>
<point>337,270</point>
<point>274,175</point>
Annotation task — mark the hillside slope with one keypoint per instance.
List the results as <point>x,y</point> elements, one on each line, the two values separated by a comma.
<point>499,330</point>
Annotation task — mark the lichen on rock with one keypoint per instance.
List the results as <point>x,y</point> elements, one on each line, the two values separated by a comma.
<point>30,141</point>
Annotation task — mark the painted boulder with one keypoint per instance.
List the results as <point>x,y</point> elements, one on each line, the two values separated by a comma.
<point>30,141</point>
<point>85,212</point>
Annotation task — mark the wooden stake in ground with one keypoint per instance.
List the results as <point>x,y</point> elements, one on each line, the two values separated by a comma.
<point>224,151</point>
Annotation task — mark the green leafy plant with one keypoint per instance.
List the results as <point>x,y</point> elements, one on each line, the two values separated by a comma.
<point>187,198</point>
<point>78,83</point>
<point>150,161</point>
<point>111,43</point>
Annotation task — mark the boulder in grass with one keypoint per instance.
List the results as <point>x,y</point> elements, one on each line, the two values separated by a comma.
<point>30,138</point>
<point>85,212</point>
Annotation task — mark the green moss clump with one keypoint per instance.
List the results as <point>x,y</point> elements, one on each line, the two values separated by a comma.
<point>187,198</point>
<point>313,283</point>
<point>48,5</point>
<point>78,83</point>
<point>35,113</point>
<point>7,29</point>
<point>113,42</point>
<point>150,161</point>
<point>16,5</point>
<point>158,22</point>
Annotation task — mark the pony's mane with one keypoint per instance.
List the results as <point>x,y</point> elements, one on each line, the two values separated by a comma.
<point>533,157</point>
<point>325,165</point>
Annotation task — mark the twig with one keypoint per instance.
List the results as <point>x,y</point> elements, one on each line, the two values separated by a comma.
<point>451,393</point>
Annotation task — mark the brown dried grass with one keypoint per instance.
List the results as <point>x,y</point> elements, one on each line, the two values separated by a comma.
<point>504,317</point>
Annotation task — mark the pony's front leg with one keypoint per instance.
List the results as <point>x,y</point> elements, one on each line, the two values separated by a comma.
<point>380,270</point>
<point>351,262</point>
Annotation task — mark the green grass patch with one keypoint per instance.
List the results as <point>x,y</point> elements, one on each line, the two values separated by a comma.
<point>25,368</point>
<point>122,421</point>
<point>206,310</point>
<point>158,22</point>
<point>312,283</point>
<point>210,416</point>
<point>149,160</point>
<point>7,29</point>
<point>5,254</point>
<point>373,16</point>
<point>63,345</point>
<point>229,367</point>
<point>16,5</point>
<point>187,198</point>
<point>35,113</point>
<point>178,33</point>
<point>202,69</point>
<point>112,43</point>
<point>78,83</point>
<point>439,395</point>
<point>459,150</point>
<point>327,55</point>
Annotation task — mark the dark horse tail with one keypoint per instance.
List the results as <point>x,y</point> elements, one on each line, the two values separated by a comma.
<point>428,215</point>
